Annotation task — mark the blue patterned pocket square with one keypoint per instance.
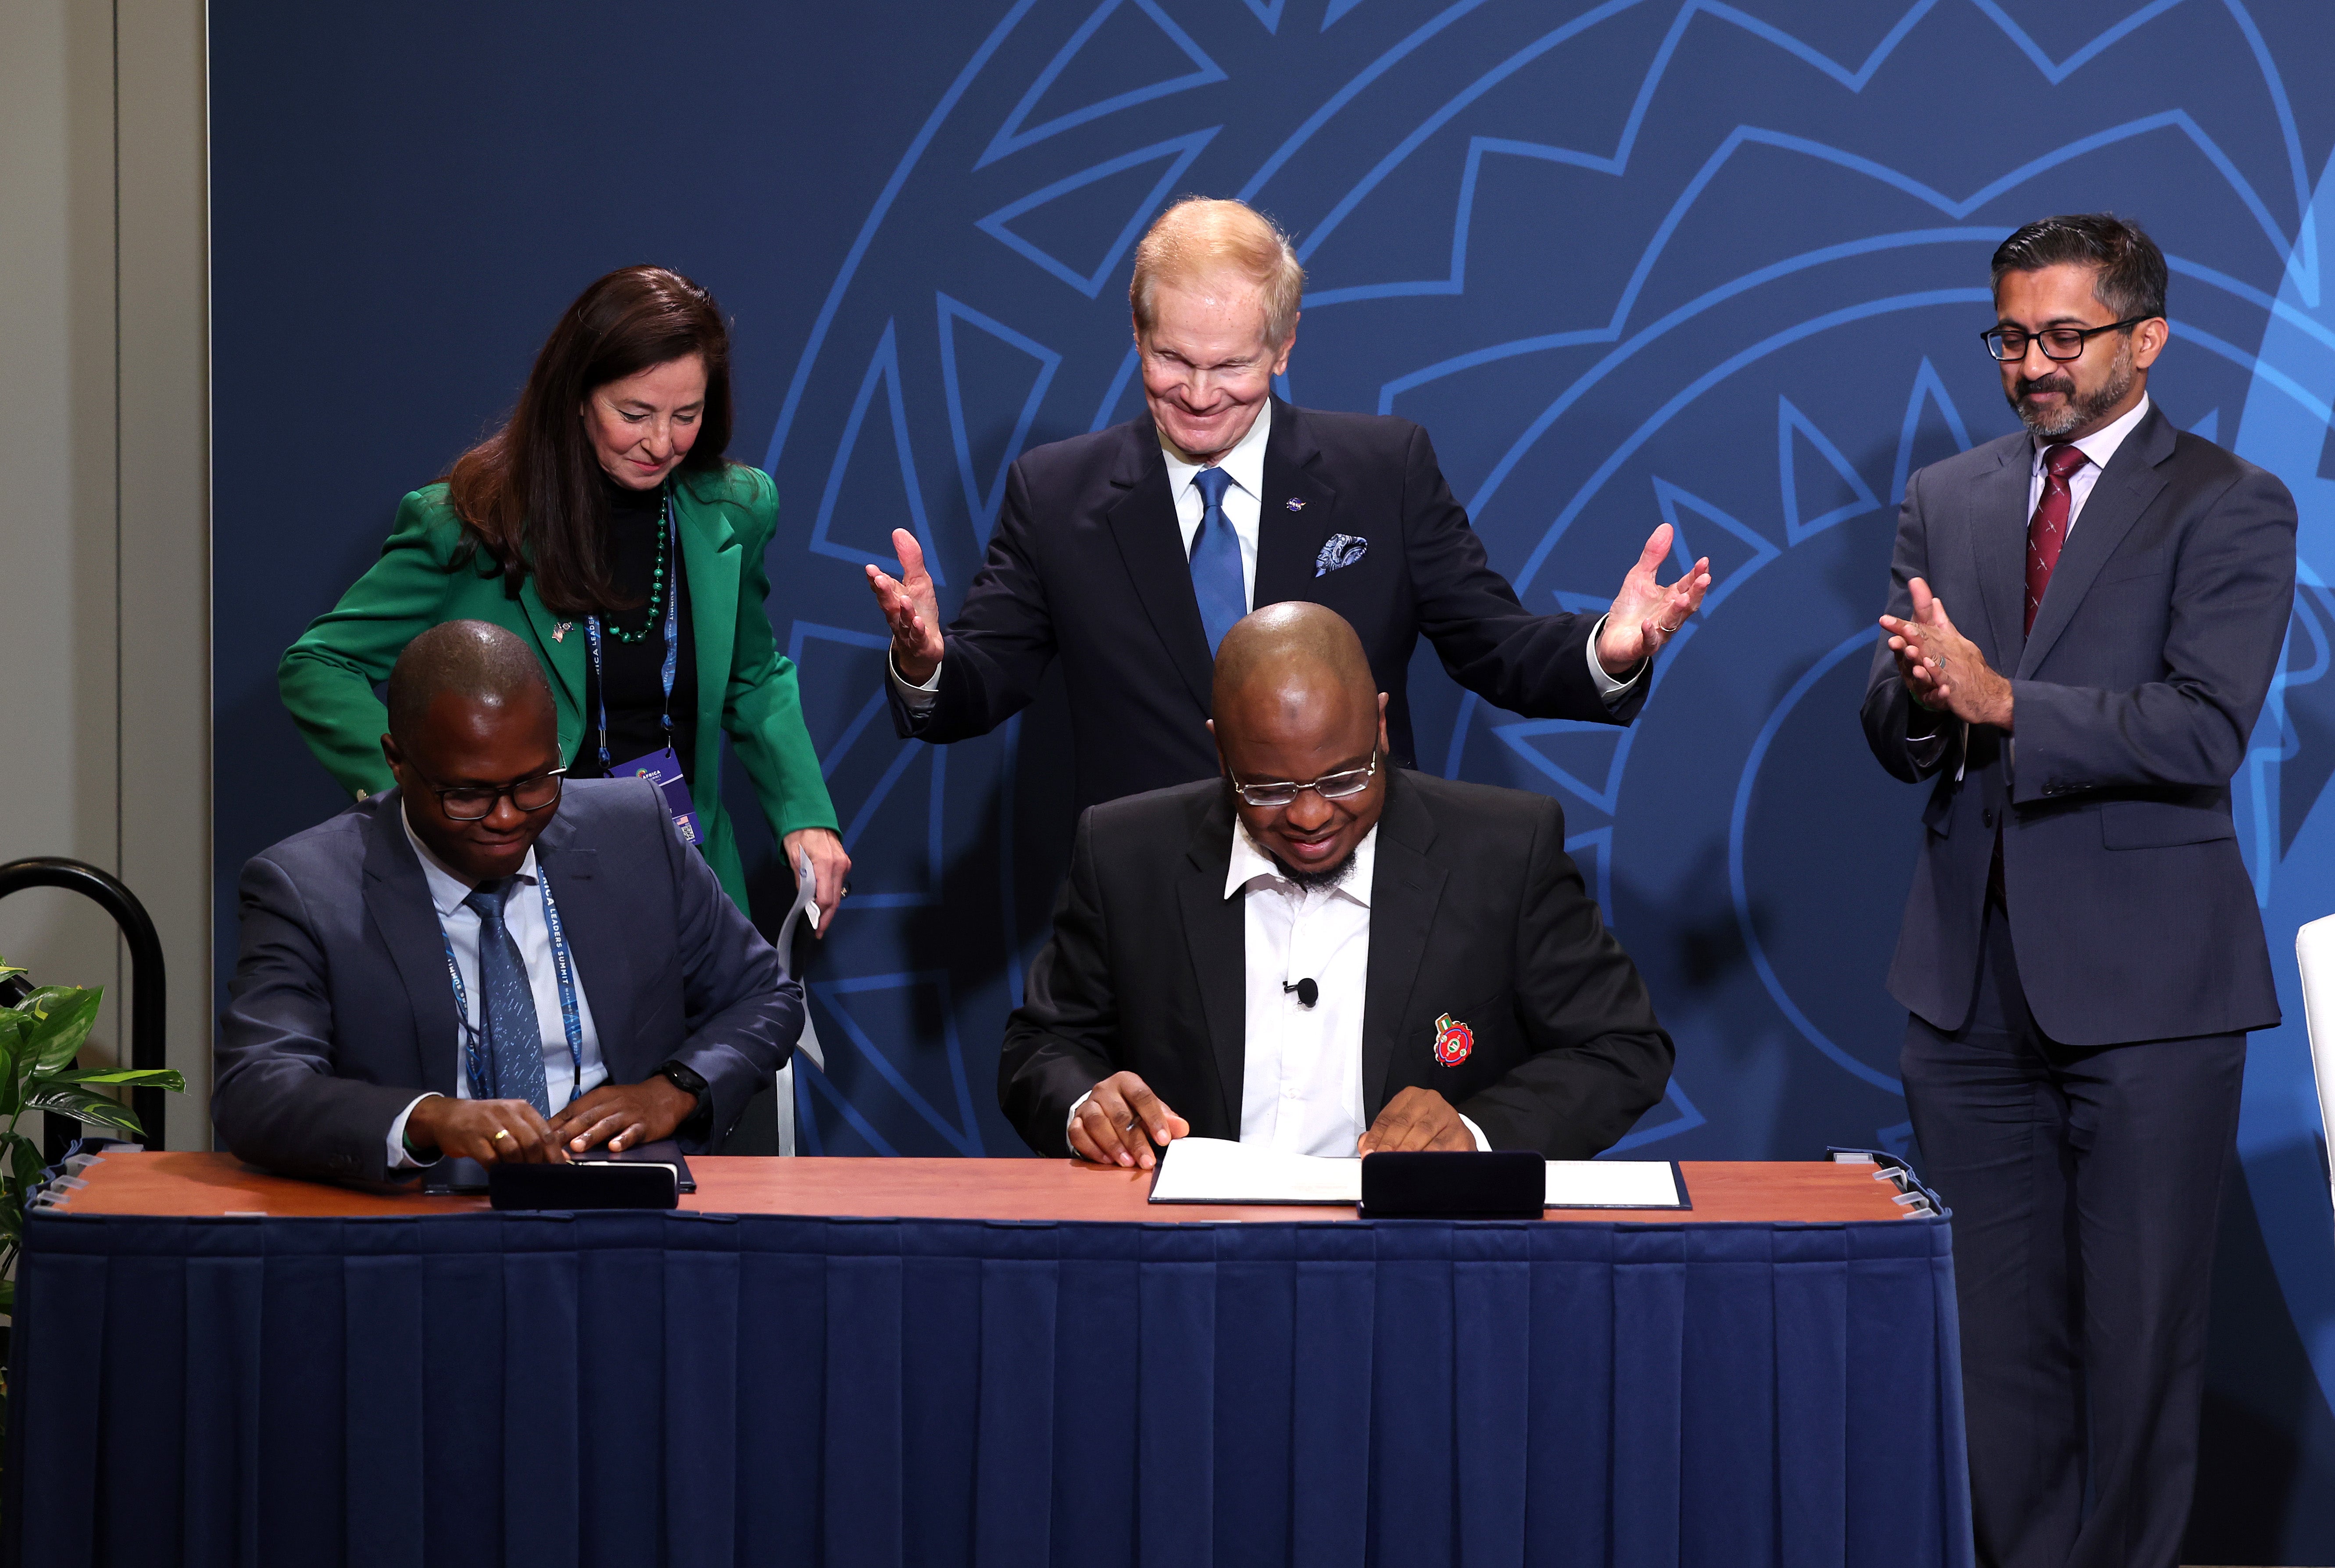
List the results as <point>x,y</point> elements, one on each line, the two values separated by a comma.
<point>1339,551</point>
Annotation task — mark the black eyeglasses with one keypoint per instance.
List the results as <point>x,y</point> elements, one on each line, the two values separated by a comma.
<point>1330,786</point>
<point>475,803</point>
<point>2008,343</point>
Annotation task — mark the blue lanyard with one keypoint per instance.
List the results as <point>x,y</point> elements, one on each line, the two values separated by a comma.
<point>474,1061</point>
<point>672,639</point>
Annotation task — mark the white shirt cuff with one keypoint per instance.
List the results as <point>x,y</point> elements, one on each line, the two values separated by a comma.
<point>918,700</point>
<point>398,1158</point>
<point>1483,1144</point>
<point>1608,687</point>
<point>1070,1121</point>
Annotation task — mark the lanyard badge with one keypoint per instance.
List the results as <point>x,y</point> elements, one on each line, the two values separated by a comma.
<point>661,766</point>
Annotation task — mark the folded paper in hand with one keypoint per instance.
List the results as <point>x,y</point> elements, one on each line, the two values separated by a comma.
<point>1213,1170</point>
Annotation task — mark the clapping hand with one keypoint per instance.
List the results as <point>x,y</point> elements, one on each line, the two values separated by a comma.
<point>1941,668</point>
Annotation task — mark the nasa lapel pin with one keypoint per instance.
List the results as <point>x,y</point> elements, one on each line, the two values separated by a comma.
<point>1453,1041</point>
<point>1296,505</point>
<point>559,631</point>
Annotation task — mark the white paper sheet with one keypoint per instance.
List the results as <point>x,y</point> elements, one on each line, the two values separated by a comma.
<point>1212,1170</point>
<point>1215,1170</point>
<point>1606,1184</point>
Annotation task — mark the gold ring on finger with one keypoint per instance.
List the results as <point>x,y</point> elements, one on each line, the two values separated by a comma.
<point>500,1133</point>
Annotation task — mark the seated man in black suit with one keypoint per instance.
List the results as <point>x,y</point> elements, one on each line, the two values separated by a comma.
<point>1130,550</point>
<point>481,963</point>
<point>1324,954</point>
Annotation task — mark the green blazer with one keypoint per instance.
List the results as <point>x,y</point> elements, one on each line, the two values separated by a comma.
<point>726,520</point>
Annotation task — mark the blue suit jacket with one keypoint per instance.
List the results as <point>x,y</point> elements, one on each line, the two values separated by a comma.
<point>1088,562</point>
<point>341,1012</point>
<point>2133,701</point>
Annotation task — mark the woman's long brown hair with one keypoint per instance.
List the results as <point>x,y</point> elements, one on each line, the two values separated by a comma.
<point>531,495</point>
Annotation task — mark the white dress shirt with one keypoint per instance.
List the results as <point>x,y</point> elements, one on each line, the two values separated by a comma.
<point>1243,506</point>
<point>2098,447</point>
<point>523,918</point>
<point>1301,1066</point>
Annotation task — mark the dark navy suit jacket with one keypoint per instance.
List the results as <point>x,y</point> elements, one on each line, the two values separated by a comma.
<point>1088,563</point>
<point>341,1012</point>
<point>2133,701</point>
<point>1476,912</point>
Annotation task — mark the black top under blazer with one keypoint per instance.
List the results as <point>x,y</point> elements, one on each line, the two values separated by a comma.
<point>1088,562</point>
<point>1476,911</point>
<point>341,1012</point>
<point>2133,701</point>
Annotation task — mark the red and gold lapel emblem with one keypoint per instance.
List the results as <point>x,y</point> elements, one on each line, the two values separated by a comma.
<point>1453,1041</point>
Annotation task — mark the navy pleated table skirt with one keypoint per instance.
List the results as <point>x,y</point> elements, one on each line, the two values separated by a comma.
<point>629,1389</point>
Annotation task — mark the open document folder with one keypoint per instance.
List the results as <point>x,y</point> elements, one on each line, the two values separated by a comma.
<point>1214,1170</point>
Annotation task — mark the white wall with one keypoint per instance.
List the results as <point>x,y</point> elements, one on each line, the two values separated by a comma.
<point>105,509</point>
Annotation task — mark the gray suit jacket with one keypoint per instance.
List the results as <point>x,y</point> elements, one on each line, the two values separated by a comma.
<point>1476,911</point>
<point>340,1012</point>
<point>2133,701</point>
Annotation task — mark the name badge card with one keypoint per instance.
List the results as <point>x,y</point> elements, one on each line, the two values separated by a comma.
<point>663,769</point>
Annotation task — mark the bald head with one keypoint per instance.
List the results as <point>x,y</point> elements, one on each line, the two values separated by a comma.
<point>1294,651</point>
<point>1296,703</point>
<point>475,662</point>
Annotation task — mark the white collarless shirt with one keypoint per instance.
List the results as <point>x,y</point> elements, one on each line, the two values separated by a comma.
<point>523,918</point>
<point>1301,1066</point>
<point>1243,509</point>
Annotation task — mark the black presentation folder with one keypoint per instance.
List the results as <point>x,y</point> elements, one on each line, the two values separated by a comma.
<point>469,1176</point>
<point>584,1185</point>
<point>1454,1184</point>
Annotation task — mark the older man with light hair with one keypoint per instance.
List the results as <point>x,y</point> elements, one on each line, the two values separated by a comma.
<point>1129,552</point>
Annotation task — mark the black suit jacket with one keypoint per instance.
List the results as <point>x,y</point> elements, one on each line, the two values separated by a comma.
<point>341,1012</point>
<point>2133,700</point>
<point>1476,911</point>
<point>1088,562</point>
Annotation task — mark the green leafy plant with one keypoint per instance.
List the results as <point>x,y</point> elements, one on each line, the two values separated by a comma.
<point>40,1036</point>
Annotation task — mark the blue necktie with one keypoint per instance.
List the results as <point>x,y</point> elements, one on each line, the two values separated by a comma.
<point>1216,560</point>
<point>512,1035</point>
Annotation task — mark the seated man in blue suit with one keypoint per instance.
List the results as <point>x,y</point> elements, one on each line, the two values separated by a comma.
<point>483,962</point>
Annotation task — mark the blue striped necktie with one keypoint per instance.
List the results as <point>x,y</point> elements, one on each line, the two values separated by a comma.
<point>1216,560</point>
<point>512,1034</point>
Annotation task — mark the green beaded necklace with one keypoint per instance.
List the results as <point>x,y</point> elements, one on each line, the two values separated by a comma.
<point>654,612</point>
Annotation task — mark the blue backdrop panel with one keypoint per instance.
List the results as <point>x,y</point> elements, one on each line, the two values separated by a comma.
<point>1722,265</point>
<point>630,1389</point>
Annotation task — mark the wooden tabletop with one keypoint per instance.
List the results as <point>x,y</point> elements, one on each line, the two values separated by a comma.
<point>219,1184</point>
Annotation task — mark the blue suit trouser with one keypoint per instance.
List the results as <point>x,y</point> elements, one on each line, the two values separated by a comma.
<point>2086,1188</point>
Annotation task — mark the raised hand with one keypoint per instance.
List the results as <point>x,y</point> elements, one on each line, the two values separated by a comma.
<point>1645,614</point>
<point>910,609</point>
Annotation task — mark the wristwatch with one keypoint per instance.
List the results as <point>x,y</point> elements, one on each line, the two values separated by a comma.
<point>685,1080</point>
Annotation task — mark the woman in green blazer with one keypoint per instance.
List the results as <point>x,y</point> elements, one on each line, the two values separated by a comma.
<point>603,525</point>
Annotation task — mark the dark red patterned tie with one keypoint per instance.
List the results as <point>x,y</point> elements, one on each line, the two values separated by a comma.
<point>2047,529</point>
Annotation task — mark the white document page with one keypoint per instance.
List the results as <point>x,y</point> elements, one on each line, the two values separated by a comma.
<point>1215,1170</point>
<point>1612,1183</point>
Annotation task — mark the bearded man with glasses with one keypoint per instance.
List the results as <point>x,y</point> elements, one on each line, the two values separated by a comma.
<point>1324,954</point>
<point>2081,954</point>
<point>484,963</point>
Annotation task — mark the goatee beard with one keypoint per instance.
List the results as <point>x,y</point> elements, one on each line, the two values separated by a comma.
<point>1314,881</point>
<point>2078,411</point>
